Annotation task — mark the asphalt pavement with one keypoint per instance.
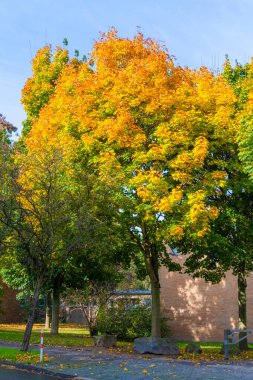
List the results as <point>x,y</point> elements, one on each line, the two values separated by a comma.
<point>12,374</point>
<point>107,367</point>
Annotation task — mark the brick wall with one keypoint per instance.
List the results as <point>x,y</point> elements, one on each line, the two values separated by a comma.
<point>12,313</point>
<point>201,311</point>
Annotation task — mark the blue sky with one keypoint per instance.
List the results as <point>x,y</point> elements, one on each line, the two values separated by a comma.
<point>196,32</point>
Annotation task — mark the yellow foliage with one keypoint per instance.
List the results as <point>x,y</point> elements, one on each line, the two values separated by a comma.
<point>200,150</point>
<point>145,124</point>
<point>213,212</point>
<point>177,231</point>
<point>166,203</point>
<point>203,232</point>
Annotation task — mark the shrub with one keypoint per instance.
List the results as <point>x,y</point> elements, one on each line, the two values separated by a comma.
<point>127,323</point>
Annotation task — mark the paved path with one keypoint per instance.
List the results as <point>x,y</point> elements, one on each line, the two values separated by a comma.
<point>93,363</point>
<point>112,367</point>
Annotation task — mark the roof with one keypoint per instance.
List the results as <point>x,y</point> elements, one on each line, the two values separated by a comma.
<point>132,292</point>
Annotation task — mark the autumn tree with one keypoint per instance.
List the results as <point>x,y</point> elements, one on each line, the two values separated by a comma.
<point>46,68</point>
<point>151,132</point>
<point>37,92</point>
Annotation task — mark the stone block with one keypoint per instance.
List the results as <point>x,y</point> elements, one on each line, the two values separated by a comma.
<point>158,346</point>
<point>105,340</point>
<point>193,348</point>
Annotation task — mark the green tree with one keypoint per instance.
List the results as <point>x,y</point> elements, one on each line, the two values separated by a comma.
<point>38,218</point>
<point>228,245</point>
<point>6,167</point>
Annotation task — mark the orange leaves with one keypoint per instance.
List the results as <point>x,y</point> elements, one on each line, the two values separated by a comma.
<point>145,124</point>
<point>133,73</point>
<point>120,131</point>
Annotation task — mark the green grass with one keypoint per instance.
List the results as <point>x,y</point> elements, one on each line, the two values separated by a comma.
<point>14,355</point>
<point>207,345</point>
<point>69,335</point>
<point>210,345</point>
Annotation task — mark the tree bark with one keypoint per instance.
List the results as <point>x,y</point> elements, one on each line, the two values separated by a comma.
<point>242,306</point>
<point>30,321</point>
<point>48,311</point>
<point>152,266</point>
<point>151,258</point>
<point>156,318</point>
<point>55,311</point>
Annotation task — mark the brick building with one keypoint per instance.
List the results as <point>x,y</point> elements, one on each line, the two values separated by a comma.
<point>11,311</point>
<point>199,310</point>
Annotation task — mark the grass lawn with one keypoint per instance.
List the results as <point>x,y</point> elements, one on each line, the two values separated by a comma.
<point>14,355</point>
<point>211,352</point>
<point>71,335</point>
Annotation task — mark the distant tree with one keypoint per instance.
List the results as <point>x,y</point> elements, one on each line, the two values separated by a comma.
<point>94,296</point>
<point>6,128</point>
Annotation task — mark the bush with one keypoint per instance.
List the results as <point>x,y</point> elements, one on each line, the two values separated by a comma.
<point>127,323</point>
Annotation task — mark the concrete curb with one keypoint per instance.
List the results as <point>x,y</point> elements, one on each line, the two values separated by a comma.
<point>40,371</point>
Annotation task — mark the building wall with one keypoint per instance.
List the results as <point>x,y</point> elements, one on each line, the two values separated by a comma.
<point>201,311</point>
<point>11,311</point>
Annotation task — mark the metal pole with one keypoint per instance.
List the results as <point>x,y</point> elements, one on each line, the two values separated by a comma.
<point>226,334</point>
<point>41,344</point>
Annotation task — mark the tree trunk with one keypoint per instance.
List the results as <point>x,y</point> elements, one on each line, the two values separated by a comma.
<point>152,266</point>
<point>55,311</point>
<point>48,311</point>
<point>156,318</point>
<point>30,321</point>
<point>242,306</point>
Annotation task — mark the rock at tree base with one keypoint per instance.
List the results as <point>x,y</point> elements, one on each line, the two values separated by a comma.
<point>158,346</point>
<point>193,348</point>
<point>105,340</point>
